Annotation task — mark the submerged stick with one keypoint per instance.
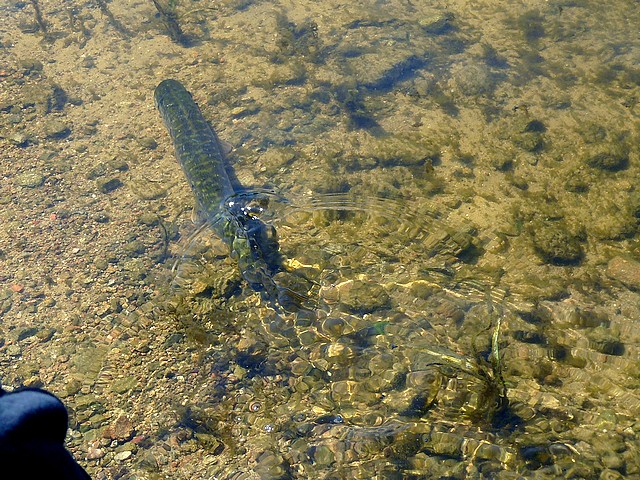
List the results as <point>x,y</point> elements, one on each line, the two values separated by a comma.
<point>120,28</point>
<point>42,25</point>
<point>170,19</point>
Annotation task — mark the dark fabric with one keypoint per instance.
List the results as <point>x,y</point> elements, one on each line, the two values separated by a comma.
<point>33,425</point>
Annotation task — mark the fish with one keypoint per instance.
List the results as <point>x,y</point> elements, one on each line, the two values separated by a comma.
<point>232,212</point>
<point>197,149</point>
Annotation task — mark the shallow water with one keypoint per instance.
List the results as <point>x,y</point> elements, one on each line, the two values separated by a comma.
<point>456,189</point>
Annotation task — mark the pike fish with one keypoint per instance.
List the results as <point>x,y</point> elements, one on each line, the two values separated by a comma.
<point>232,212</point>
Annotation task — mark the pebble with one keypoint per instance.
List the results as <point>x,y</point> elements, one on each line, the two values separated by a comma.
<point>612,158</point>
<point>106,185</point>
<point>94,453</point>
<point>363,297</point>
<point>122,456</point>
<point>122,429</point>
<point>123,385</point>
<point>30,179</point>
<point>119,164</point>
<point>13,351</point>
<point>20,139</point>
<point>56,129</point>
<point>26,333</point>
<point>149,143</point>
<point>625,270</point>
<point>555,245</point>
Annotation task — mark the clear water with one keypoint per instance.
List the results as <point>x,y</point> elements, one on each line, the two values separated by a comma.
<point>461,207</point>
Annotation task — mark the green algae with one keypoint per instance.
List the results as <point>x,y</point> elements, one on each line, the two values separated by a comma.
<point>555,244</point>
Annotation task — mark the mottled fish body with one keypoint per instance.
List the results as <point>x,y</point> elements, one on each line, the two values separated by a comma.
<point>234,216</point>
<point>197,148</point>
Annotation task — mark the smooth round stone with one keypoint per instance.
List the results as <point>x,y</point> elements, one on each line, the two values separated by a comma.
<point>30,179</point>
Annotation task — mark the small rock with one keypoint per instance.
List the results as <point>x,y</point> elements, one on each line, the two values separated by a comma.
<point>122,429</point>
<point>625,270</point>
<point>106,185</point>
<point>119,164</point>
<point>56,129</point>
<point>555,245</point>
<point>149,219</point>
<point>27,332</point>
<point>94,453</point>
<point>363,297</point>
<point>122,456</point>
<point>30,179</point>
<point>123,385</point>
<point>148,142</point>
<point>13,351</point>
<point>609,157</point>
<point>20,139</point>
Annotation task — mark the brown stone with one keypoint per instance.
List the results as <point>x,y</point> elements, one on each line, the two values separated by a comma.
<point>625,270</point>
<point>122,429</point>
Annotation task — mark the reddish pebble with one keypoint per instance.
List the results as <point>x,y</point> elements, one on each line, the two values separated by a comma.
<point>122,429</point>
<point>16,287</point>
<point>138,438</point>
<point>95,453</point>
